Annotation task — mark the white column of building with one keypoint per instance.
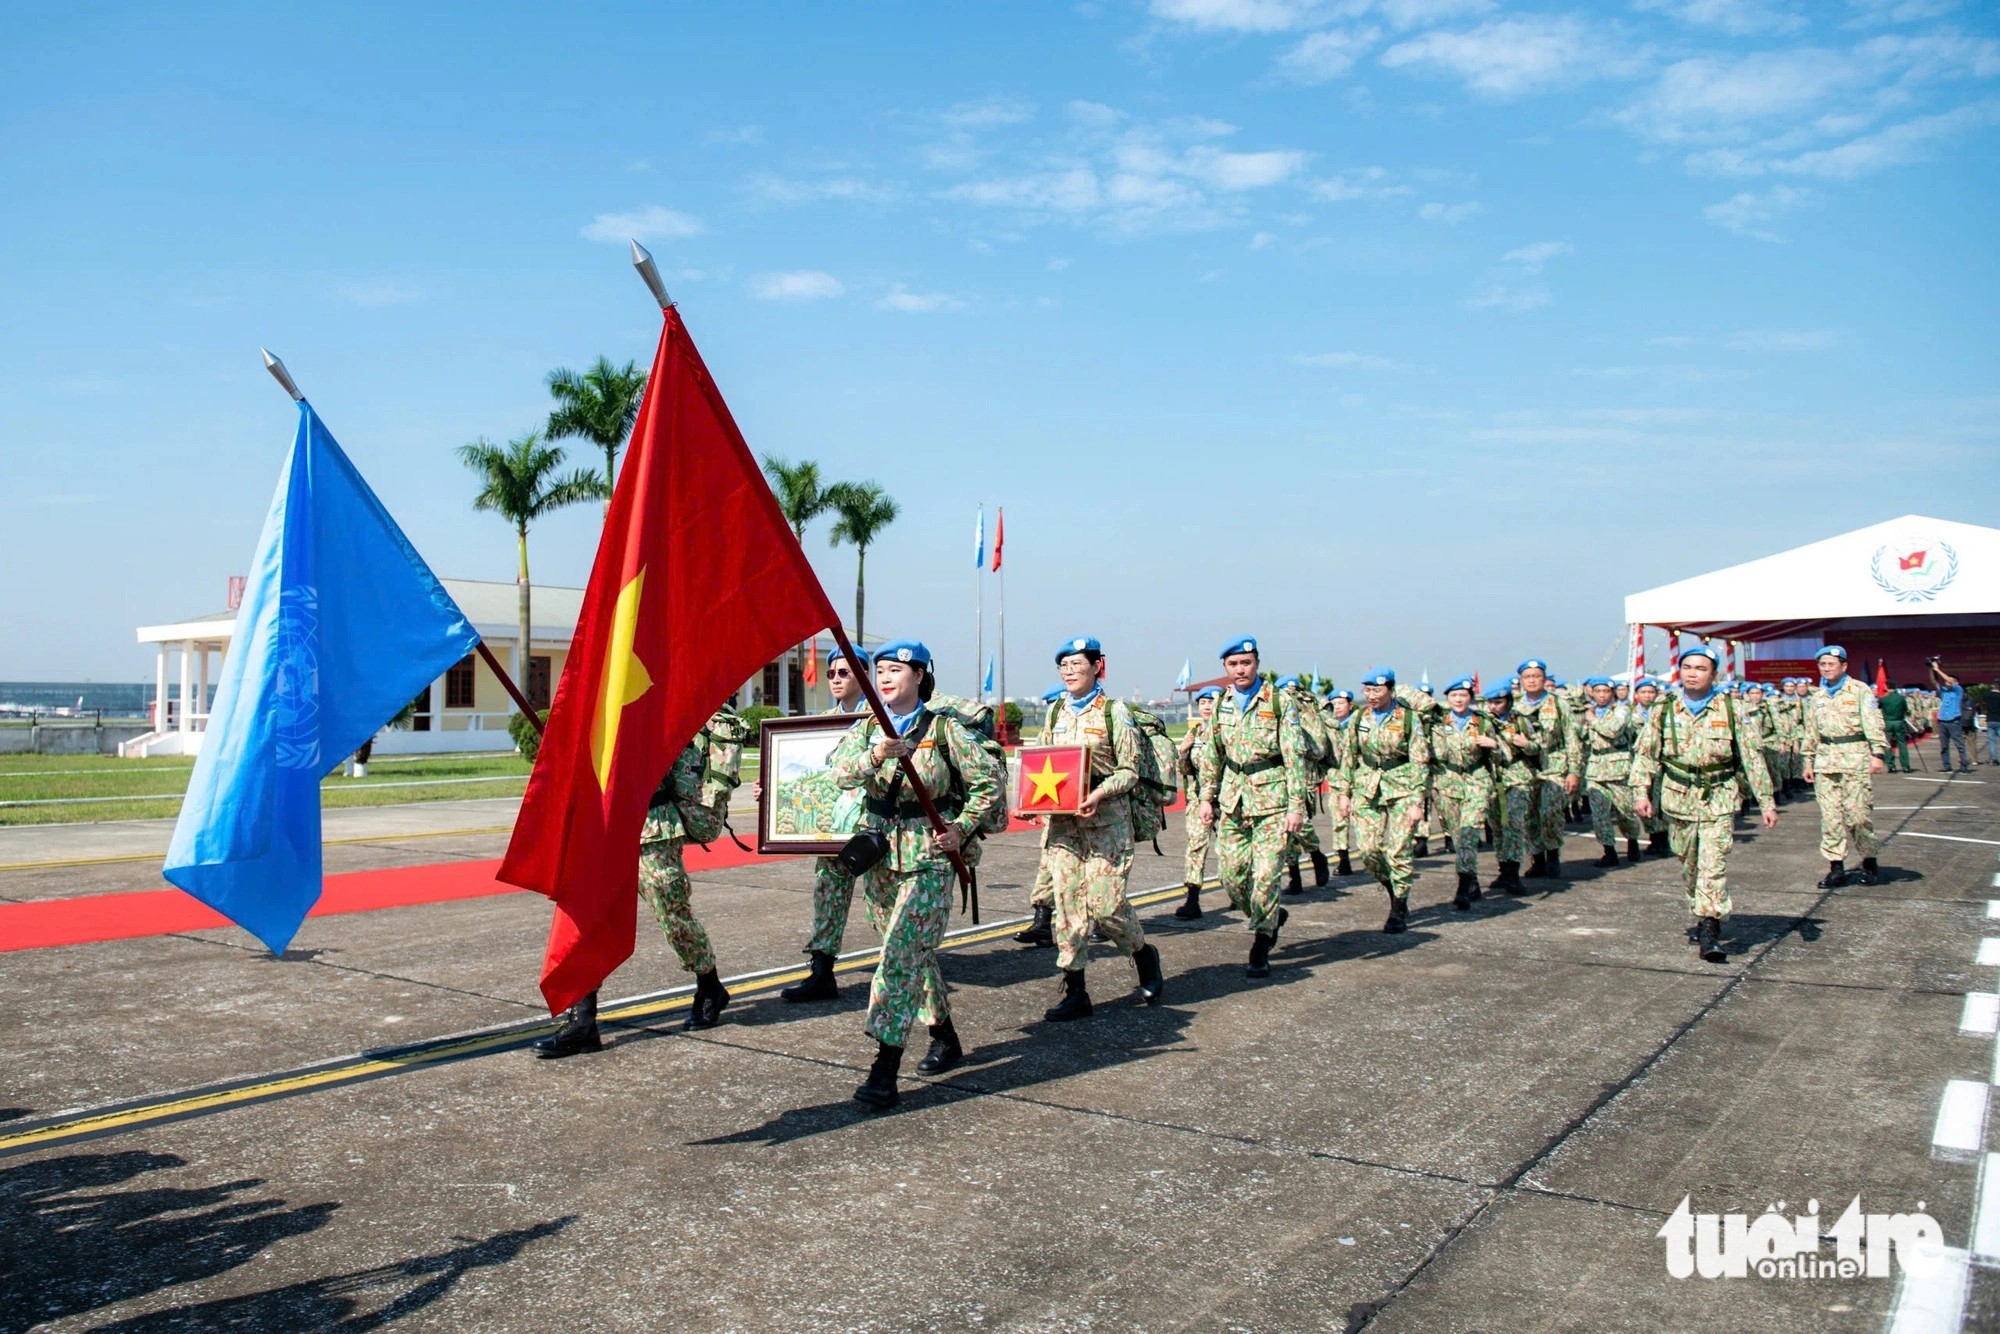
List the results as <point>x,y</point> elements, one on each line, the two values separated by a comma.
<point>785,681</point>
<point>160,692</point>
<point>201,687</point>
<point>187,686</point>
<point>437,705</point>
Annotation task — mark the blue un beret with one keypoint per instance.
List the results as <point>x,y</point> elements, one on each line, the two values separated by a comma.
<point>835,654</point>
<point>1081,644</point>
<point>1699,651</point>
<point>1536,663</point>
<point>1595,681</point>
<point>906,651</point>
<point>1207,692</point>
<point>1241,644</point>
<point>1287,682</point>
<point>1051,696</point>
<point>1343,693</point>
<point>1380,676</point>
<point>1835,649</point>
<point>1505,690</point>
<point>1462,683</point>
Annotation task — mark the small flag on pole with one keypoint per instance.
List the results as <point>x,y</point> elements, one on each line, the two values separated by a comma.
<point>999,535</point>
<point>979,543</point>
<point>986,686</point>
<point>1187,674</point>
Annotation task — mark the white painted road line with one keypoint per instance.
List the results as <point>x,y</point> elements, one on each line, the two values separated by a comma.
<point>1960,1133</point>
<point>1926,808</point>
<point>1920,778</point>
<point>1981,1013</point>
<point>1948,838</point>
<point>1989,952</point>
<point>1934,1303</point>
<point>1993,905</point>
<point>1985,1246</point>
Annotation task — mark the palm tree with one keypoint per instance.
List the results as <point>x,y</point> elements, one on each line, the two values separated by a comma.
<point>799,493</point>
<point>600,406</point>
<point>519,483</point>
<point>864,510</point>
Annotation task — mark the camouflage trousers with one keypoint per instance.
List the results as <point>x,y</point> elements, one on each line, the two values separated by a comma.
<point>1044,892</point>
<point>1611,816</point>
<point>1306,841</point>
<point>1548,804</point>
<point>1195,868</point>
<point>1846,814</point>
<point>1703,847</point>
<point>1657,824</point>
<point>1384,838</point>
<point>1509,816</point>
<point>910,909</point>
<point>663,884</point>
<point>1249,854</point>
<point>1461,805</point>
<point>833,896</point>
<point>1089,866</point>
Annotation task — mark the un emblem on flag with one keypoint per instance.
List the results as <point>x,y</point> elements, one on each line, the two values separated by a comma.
<point>295,673</point>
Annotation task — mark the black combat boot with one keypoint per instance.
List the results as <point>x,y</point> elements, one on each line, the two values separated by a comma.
<point>945,1051</point>
<point>879,1090</point>
<point>1553,868</point>
<point>820,986</point>
<point>1075,1002</point>
<point>1835,877</point>
<point>1321,871</point>
<point>1871,871</point>
<point>1345,867</point>
<point>577,1034</point>
<point>1450,845</point>
<point>1631,849</point>
<point>1537,867</point>
<point>1610,857</point>
<point>1468,889</point>
<point>1041,931</point>
<point>1423,848</point>
<point>1260,956</point>
<point>1151,980</point>
<point>1510,878</point>
<point>1656,844</point>
<point>1190,906</point>
<point>1399,916</point>
<point>709,998</point>
<point>1294,885</point>
<point>1708,940</point>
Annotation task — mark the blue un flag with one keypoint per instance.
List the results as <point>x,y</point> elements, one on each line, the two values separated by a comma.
<point>340,626</point>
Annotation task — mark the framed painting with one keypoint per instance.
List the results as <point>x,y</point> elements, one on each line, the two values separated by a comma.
<point>799,809</point>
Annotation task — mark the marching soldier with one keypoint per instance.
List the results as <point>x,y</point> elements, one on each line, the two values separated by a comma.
<point>1462,747</point>
<point>1845,744</point>
<point>1313,728</point>
<point>1558,755</point>
<point>1514,785</point>
<point>1040,932</point>
<point>1340,730</point>
<point>1089,854</point>
<point>1609,734</point>
<point>908,890</point>
<point>1253,772</point>
<point>1697,745</point>
<point>1381,787</point>
<point>833,887</point>
<point>1646,698</point>
<point>1195,867</point>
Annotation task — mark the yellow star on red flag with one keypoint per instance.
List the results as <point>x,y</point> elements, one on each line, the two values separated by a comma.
<point>624,680</point>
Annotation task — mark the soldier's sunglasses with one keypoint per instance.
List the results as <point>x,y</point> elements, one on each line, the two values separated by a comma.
<point>838,674</point>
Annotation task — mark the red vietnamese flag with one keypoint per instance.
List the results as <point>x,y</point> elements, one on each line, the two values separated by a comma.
<point>999,536</point>
<point>698,583</point>
<point>812,663</point>
<point>1913,561</point>
<point>1881,678</point>
<point>1053,780</point>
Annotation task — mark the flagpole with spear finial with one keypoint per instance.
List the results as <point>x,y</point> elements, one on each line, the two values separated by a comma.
<point>285,381</point>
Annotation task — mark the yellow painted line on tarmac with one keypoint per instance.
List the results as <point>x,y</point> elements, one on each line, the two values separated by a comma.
<point>352,1070</point>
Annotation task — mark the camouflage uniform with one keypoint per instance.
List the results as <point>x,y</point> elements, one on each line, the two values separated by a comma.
<point>1514,785</point>
<point>909,891</point>
<point>1088,860</point>
<point>833,894</point>
<point>1199,835</point>
<point>1608,737</point>
<point>1560,749</point>
<point>1387,766</point>
<point>1843,732</point>
<point>1462,770</point>
<point>1341,733</point>
<point>1698,757</point>
<point>690,803</point>
<point>1253,768</point>
<point>1656,823</point>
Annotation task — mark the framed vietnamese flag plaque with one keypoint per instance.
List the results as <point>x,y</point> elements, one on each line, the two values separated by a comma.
<point>1053,779</point>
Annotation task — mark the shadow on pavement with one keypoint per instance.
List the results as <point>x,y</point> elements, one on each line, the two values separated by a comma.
<point>73,1243</point>
<point>335,1302</point>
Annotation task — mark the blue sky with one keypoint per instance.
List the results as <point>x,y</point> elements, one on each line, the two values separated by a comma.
<point>1416,331</point>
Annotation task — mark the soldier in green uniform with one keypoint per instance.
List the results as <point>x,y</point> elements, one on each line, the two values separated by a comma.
<point>1556,757</point>
<point>1697,745</point>
<point>1381,789</point>
<point>1758,708</point>
<point>1513,785</point>
<point>1319,754</point>
<point>1040,931</point>
<point>1339,710</point>
<point>1646,698</point>
<point>1089,854</point>
<point>1462,745</point>
<point>1194,870</point>
<point>1844,747</point>
<point>1609,733</point>
<point>1253,763</point>
<point>908,891</point>
<point>1895,708</point>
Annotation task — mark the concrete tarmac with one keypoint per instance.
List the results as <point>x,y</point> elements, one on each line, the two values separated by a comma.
<point>1480,1125</point>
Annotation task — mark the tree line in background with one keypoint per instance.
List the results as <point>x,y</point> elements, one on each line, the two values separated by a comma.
<point>525,479</point>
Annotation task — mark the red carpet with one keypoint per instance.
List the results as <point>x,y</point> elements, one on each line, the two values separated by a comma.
<point>46,923</point>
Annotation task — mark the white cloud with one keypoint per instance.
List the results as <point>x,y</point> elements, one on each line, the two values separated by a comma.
<point>1739,17</point>
<point>1327,55</point>
<point>1511,56</point>
<point>1908,142</point>
<point>1363,183</point>
<point>1700,98</point>
<point>1503,296</point>
<point>1242,171</point>
<point>1072,190</point>
<point>1751,213</point>
<point>988,113</point>
<point>737,134</point>
<point>797,285</point>
<point>379,293</point>
<point>779,190</point>
<point>1352,361</point>
<point>1423,13</point>
<point>1451,214</point>
<point>1531,258</point>
<point>1058,264</point>
<point>1870,12</point>
<point>1237,15</point>
<point>652,223</point>
<point>1781,340</point>
<point>902,299</point>
<point>1263,241</point>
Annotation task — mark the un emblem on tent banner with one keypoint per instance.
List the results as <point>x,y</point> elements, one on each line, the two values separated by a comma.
<point>295,673</point>
<point>1915,572</point>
